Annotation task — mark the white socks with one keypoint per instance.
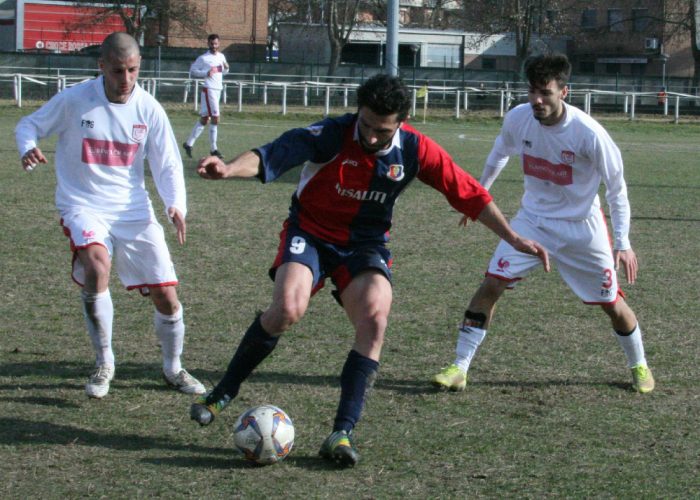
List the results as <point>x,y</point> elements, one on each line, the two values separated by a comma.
<point>633,347</point>
<point>213,136</point>
<point>467,343</point>
<point>99,311</point>
<point>196,132</point>
<point>171,334</point>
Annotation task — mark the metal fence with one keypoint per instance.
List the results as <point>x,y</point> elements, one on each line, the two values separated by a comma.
<point>252,93</point>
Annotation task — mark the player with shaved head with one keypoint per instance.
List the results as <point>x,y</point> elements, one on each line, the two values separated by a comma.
<point>106,128</point>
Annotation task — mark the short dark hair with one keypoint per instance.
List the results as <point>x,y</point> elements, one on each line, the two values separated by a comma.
<point>542,69</point>
<point>211,37</point>
<point>385,95</point>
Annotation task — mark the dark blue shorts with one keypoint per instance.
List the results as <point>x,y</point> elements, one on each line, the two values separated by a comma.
<point>340,263</point>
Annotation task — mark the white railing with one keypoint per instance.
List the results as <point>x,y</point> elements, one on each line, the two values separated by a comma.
<point>251,94</point>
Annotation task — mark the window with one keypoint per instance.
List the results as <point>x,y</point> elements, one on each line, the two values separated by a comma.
<point>612,68</point>
<point>638,69</point>
<point>552,17</point>
<point>615,20</point>
<point>640,20</point>
<point>587,66</point>
<point>588,19</point>
<point>488,63</point>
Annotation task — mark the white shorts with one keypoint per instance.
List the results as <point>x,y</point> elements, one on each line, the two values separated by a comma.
<point>209,102</point>
<point>137,248</point>
<point>580,250</point>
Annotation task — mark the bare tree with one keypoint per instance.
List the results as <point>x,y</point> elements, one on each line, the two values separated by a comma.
<point>341,19</point>
<point>135,15</point>
<point>521,19</point>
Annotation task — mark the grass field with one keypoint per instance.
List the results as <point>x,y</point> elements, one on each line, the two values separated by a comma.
<point>549,411</point>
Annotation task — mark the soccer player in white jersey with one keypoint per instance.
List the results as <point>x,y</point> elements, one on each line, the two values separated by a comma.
<point>106,127</point>
<point>565,155</point>
<point>211,66</point>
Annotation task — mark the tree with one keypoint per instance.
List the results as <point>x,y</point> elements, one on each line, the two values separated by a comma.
<point>135,15</point>
<point>521,19</point>
<point>341,19</point>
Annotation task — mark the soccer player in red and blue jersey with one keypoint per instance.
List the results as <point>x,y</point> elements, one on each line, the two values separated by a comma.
<point>355,167</point>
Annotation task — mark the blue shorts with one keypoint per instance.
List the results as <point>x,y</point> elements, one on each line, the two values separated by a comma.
<point>340,263</point>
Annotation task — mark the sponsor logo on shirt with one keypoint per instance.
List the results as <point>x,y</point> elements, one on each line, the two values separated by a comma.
<point>108,153</point>
<point>527,143</point>
<point>395,172</point>
<point>350,162</point>
<point>138,132</point>
<point>557,173</point>
<point>315,130</point>
<point>87,123</point>
<point>88,234</point>
<point>361,195</point>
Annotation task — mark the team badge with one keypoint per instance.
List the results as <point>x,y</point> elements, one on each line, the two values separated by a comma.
<point>315,130</point>
<point>503,264</point>
<point>568,157</point>
<point>138,132</point>
<point>395,172</point>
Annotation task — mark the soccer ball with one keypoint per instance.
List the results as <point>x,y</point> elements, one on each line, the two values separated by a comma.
<point>264,434</point>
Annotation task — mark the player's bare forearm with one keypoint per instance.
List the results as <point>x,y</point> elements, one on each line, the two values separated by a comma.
<point>494,219</point>
<point>246,164</point>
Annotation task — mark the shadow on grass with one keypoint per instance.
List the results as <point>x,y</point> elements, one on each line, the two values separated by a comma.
<point>235,462</point>
<point>39,401</point>
<point>16,431</point>
<point>141,371</point>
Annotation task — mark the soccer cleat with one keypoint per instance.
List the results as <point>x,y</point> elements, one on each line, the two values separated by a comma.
<point>98,383</point>
<point>642,379</point>
<point>188,149</point>
<point>216,153</point>
<point>184,382</point>
<point>340,448</point>
<point>206,407</point>
<point>452,378</point>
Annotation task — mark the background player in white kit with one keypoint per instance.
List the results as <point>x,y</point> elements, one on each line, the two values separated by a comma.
<point>565,155</point>
<point>211,66</point>
<point>106,127</point>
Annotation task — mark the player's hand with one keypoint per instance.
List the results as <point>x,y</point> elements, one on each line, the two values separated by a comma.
<point>629,260</point>
<point>464,221</point>
<point>211,167</point>
<point>531,247</point>
<point>178,220</point>
<point>31,158</point>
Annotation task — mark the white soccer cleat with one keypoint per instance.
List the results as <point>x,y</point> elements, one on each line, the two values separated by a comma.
<point>184,382</point>
<point>98,383</point>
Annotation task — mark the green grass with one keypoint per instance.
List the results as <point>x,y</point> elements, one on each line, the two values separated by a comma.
<point>549,411</point>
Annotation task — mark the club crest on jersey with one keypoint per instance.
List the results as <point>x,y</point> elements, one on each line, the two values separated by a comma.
<point>395,172</point>
<point>503,264</point>
<point>315,130</point>
<point>138,132</point>
<point>568,157</point>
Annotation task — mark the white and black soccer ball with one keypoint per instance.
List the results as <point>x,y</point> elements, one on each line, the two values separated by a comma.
<point>264,434</point>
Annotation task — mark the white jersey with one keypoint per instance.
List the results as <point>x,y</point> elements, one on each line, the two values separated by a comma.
<point>564,165</point>
<point>207,61</point>
<point>101,149</point>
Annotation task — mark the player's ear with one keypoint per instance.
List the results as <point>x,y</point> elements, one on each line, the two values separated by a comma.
<point>564,92</point>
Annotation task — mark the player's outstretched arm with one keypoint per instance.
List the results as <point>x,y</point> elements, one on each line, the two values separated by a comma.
<point>244,165</point>
<point>628,259</point>
<point>31,158</point>
<point>494,219</point>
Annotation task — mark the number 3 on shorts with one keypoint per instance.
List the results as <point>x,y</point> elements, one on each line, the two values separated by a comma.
<point>298,245</point>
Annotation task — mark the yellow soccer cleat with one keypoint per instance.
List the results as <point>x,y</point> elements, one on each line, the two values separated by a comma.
<point>452,378</point>
<point>642,379</point>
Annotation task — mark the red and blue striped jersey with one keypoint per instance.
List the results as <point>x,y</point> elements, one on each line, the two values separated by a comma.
<point>345,195</point>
